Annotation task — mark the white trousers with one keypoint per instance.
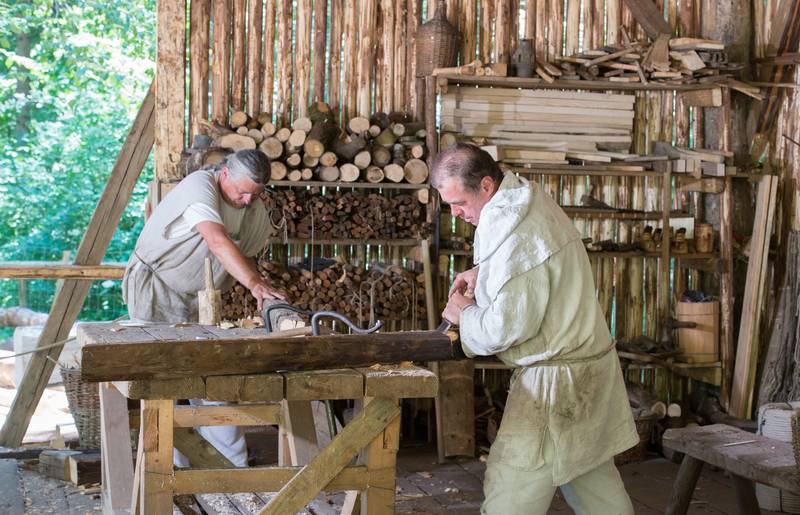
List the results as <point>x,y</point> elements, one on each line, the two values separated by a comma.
<point>513,491</point>
<point>228,440</point>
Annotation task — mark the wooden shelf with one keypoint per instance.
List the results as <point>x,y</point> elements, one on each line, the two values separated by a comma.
<point>589,85</point>
<point>581,170</point>
<point>357,185</point>
<point>588,212</point>
<point>710,373</point>
<point>407,242</point>
<point>694,256</point>
<point>57,270</point>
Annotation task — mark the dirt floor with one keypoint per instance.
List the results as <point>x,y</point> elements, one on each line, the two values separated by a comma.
<point>422,487</point>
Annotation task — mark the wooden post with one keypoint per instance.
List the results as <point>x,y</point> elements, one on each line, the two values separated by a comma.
<point>239,66</point>
<point>665,167</point>
<point>209,300</point>
<point>380,457</point>
<point>115,452</point>
<point>170,84</point>
<point>365,56</point>
<point>573,26</point>
<point>349,57</point>
<point>432,138</point>
<point>502,41</point>
<point>198,64</point>
<point>69,298</point>
<point>220,66</point>
<point>387,84</point>
<point>268,57</point>
<point>400,57</point>
<point>283,110</point>
<point>555,19</point>
<point>255,9</point>
<point>614,19</point>
<point>727,355</point>
<point>335,61</point>
<point>414,13</point>
<point>302,59</point>
<point>320,23</point>
<point>487,22</point>
<point>156,494</point>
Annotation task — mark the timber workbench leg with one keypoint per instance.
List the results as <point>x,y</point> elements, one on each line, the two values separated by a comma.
<point>115,449</point>
<point>297,434</point>
<point>745,495</point>
<point>381,460</point>
<point>157,470</point>
<point>684,486</point>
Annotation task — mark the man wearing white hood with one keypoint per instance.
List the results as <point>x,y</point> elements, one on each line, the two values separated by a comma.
<point>534,307</point>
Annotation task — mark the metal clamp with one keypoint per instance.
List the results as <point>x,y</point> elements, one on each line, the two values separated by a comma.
<point>315,318</point>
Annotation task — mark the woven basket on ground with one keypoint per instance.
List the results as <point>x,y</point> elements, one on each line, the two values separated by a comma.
<point>84,404</point>
<point>437,43</point>
<point>644,426</point>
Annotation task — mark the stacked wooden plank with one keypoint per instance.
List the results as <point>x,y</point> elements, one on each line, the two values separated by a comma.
<point>697,161</point>
<point>664,60</point>
<point>308,214</point>
<point>382,148</point>
<point>541,126</point>
<point>388,293</point>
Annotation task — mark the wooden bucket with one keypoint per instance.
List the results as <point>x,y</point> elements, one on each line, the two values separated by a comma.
<point>699,344</point>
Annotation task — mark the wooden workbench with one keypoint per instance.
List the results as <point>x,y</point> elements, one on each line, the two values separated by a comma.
<point>268,399</point>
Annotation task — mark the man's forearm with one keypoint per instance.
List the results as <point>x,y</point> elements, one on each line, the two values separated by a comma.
<point>235,263</point>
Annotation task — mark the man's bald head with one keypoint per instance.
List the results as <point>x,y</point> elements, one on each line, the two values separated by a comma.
<point>466,162</point>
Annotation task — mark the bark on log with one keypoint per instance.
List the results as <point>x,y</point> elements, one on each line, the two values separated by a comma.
<point>381,156</point>
<point>320,137</point>
<point>373,174</point>
<point>363,159</point>
<point>347,149</point>
<point>235,142</point>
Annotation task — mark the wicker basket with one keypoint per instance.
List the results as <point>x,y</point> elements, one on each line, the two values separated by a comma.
<point>437,43</point>
<point>84,404</point>
<point>644,426</point>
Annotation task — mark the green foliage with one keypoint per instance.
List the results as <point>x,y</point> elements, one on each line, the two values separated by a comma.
<point>72,76</point>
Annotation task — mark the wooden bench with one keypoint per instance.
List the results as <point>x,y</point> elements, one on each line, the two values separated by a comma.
<point>746,456</point>
<point>281,399</point>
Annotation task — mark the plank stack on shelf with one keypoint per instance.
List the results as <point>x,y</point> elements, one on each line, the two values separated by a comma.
<point>697,161</point>
<point>386,148</point>
<point>541,126</point>
<point>386,293</point>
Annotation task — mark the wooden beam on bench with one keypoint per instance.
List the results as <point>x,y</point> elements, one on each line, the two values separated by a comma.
<point>70,296</point>
<point>367,425</point>
<point>258,479</point>
<point>198,450</point>
<point>245,415</point>
<point>187,356</point>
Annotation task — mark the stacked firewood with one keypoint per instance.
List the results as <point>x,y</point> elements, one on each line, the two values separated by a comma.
<point>382,148</point>
<point>346,214</point>
<point>386,293</point>
<point>664,60</point>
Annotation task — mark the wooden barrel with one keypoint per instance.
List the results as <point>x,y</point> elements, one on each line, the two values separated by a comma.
<point>699,344</point>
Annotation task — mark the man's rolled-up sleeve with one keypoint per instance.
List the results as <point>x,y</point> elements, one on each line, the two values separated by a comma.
<point>514,316</point>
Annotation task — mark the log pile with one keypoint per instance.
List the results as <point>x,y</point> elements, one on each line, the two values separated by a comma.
<point>346,214</point>
<point>385,293</point>
<point>382,148</point>
<point>540,126</point>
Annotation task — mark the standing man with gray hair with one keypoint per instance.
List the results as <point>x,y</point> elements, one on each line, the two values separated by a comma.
<point>214,212</point>
<point>534,307</point>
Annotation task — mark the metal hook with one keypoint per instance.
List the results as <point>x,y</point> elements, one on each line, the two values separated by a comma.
<point>269,309</point>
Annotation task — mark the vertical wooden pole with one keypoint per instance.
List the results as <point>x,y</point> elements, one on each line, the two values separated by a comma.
<point>350,59</point>
<point>665,167</point>
<point>614,20</point>
<point>320,45</point>
<point>366,55</point>
<point>531,7</point>
<point>555,19</point>
<point>400,57</point>
<point>727,353</point>
<point>255,12</point>
<point>387,65</point>
<point>598,23</point>
<point>487,25</point>
<point>239,65</point>
<point>156,419</point>
<point>198,64</point>
<point>220,66</point>
<point>170,86</point>
<point>302,63</point>
<point>335,61</point>
<point>115,443</point>
<point>541,29</point>
<point>284,68</point>
<point>414,16</point>
<point>469,34</point>
<point>268,57</point>
<point>573,26</point>
<point>502,27</point>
